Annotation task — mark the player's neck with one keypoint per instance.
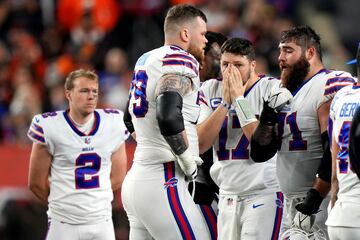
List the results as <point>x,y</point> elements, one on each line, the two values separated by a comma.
<point>252,80</point>
<point>79,119</point>
<point>176,43</point>
<point>314,69</point>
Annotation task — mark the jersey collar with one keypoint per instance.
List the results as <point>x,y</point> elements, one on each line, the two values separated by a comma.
<point>77,131</point>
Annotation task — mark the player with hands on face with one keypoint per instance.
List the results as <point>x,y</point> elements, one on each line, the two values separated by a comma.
<point>248,192</point>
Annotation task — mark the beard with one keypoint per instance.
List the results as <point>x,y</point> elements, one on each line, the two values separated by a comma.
<point>292,76</point>
<point>197,52</point>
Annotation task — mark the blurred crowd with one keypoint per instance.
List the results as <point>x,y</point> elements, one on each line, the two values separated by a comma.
<point>41,41</point>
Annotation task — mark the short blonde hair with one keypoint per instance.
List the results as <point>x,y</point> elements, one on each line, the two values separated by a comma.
<point>179,14</point>
<point>69,82</point>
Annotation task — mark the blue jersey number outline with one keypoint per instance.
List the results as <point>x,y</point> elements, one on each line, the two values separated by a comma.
<point>138,91</point>
<point>241,152</point>
<point>297,143</point>
<point>83,168</point>
<point>343,154</point>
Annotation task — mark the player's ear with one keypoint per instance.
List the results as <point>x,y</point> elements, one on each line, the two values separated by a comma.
<point>185,35</point>
<point>67,95</point>
<point>310,53</point>
<point>252,66</point>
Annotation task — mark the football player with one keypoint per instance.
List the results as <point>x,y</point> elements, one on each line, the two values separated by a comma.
<point>249,192</point>
<point>163,112</point>
<point>298,132</point>
<point>78,158</point>
<point>343,220</point>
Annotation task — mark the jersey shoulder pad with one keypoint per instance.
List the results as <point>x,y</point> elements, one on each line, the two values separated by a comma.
<point>114,117</point>
<point>335,80</point>
<point>38,126</point>
<point>178,61</point>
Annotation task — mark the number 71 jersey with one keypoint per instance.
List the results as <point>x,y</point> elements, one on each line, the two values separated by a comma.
<point>80,187</point>
<point>301,148</point>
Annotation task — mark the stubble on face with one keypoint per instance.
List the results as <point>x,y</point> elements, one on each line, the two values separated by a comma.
<point>197,52</point>
<point>292,76</point>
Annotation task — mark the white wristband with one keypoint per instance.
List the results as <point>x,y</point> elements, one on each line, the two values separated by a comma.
<point>244,111</point>
<point>226,105</point>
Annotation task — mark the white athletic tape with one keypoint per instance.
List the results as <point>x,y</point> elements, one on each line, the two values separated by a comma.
<point>244,111</point>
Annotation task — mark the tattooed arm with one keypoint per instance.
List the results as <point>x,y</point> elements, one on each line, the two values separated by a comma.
<point>169,93</point>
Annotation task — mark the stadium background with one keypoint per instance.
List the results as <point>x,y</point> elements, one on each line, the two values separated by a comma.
<point>41,41</point>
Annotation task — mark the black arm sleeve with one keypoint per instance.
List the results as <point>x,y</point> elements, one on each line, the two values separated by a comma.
<point>264,143</point>
<point>324,170</point>
<point>168,113</point>
<point>354,143</point>
<point>127,119</point>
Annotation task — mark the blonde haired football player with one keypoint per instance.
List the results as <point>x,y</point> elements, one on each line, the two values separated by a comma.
<point>163,111</point>
<point>78,158</point>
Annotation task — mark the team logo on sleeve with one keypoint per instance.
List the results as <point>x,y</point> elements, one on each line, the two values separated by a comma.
<point>172,182</point>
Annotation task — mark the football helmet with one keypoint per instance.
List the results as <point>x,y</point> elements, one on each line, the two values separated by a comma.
<point>295,233</point>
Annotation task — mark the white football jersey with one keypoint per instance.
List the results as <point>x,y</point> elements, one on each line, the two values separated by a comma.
<point>301,149</point>
<point>151,147</point>
<point>80,186</point>
<point>343,107</point>
<point>233,170</point>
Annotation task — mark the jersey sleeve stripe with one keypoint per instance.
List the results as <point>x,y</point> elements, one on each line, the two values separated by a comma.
<point>181,63</point>
<point>333,80</point>
<point>201,99</point>
<point>334,88</point>
<point>35,136</point>
<point>181,56</point>
<point>37,128</point>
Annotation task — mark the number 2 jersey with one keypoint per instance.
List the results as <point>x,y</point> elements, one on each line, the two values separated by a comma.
<point>233,169</point>
<point>342,110</point>
<point>301,148</point>
<point>151,147</point>
<point>80,186</point>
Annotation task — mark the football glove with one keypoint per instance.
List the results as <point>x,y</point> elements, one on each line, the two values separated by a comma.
<point>188,164</point>
<point>311,203</point>
<point>278,98</point>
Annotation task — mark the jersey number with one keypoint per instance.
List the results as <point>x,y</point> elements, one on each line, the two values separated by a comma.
<point>343,154</point>
<point>297,143</point>
<point>138,93</point>
<point>241,151</point>
<point>87,167</point>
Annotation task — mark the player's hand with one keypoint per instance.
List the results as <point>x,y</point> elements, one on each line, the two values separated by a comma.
<point>311,203</point>
<point>278,98</point>
<point>188,164</point>
<point>304,222</point>
<point>237,87</point>
<point>225,84</point>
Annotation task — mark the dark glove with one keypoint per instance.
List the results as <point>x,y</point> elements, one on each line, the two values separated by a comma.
<point>204,195</point>
<point>268,115</point>
<point>311,203</point>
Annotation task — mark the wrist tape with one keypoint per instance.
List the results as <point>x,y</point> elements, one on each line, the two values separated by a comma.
<point>244,111</point>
